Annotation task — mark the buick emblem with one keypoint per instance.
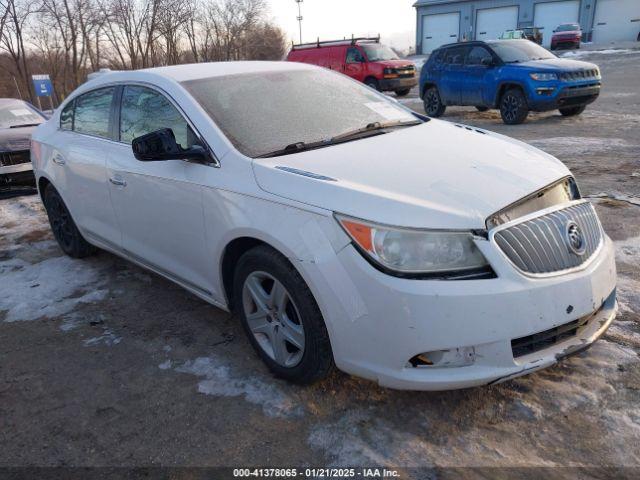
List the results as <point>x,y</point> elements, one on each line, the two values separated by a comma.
<point>575,239</point>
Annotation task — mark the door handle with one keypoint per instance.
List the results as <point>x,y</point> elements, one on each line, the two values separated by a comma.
<point>58,159</point>
<point>118,182</point>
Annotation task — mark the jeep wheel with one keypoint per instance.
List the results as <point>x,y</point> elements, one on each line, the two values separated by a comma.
<point>281,317</point>
<point>64,228</point>
<point>433,105</point>
<point>572,111</point>
<point>403,93</point>
<point>513,107</point>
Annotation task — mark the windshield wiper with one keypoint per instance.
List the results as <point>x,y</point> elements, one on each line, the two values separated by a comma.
<point>374,127</point>
<point>25,125</point>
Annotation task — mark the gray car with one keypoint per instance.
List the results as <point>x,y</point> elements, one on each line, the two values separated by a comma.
<point>17,121</point>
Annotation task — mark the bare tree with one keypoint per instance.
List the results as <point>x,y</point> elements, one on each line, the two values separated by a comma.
<point>13,39</point>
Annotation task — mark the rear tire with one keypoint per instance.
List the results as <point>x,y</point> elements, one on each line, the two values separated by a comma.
<point>482,109</point>
<point>372,83</point>
<point>433,105</point>
<point>513,107</point>
<point>64,228</point>
<point>572,111</point>
<point>289,334</point>
<point>403,93</point>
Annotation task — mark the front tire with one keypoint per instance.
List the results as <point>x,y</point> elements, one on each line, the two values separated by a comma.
<point>280,317</point>
<point>433,105</point>
<point>64,228</point>
<point>372,83</point>
<point>572,111</point>
<point>513,107</point>
<point>403,93</point>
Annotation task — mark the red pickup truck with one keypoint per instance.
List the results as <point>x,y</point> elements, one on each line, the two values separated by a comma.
<point>364,59</point>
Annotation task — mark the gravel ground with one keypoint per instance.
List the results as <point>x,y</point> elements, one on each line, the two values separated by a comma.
<point>104,364</point>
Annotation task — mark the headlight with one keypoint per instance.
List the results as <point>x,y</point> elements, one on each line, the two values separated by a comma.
<point>544,77</point>
<point>409,251</point>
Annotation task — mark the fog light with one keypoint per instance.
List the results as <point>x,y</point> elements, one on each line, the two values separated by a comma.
<point>456,357</point>
<point>545,90</point>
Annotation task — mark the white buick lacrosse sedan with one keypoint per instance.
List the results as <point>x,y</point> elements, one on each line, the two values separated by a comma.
<point>342,228</point>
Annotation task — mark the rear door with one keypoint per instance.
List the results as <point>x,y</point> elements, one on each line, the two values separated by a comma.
<point>474,82</point>
<point>159,211</point>
<point>79,157</point>
<point>452,76</point>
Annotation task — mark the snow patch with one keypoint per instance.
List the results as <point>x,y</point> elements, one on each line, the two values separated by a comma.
<point>575,146</point>
<point>633,200</point>
<point>50,288</point>
<point>219,381</point>
<point>611,51</point>
<point>107,338</point>
<point>165,365</point>
<point>19,218</point>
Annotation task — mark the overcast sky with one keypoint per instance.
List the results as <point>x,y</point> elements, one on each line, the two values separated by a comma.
<point>333,19</point>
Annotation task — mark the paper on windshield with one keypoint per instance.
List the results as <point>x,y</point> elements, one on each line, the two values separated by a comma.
<point>388,111</point>
<point>21,112</point>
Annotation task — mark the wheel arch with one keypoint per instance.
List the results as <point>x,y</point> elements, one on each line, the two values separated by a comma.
<point>425,87</point>
<point>502,89</point>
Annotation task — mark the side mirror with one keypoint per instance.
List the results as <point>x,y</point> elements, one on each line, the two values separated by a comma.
<point>161,145</point>
<point>487,62</point>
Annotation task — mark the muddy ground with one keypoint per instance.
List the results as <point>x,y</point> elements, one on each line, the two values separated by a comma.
<point>104,364</point>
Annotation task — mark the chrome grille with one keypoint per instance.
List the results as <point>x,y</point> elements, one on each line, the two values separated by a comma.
<point>579,75</point>
<point>540,245</point>
<point>14,158</point>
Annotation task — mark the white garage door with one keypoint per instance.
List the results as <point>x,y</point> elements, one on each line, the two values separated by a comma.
<point>438,30</point>
<point>548,16</point>
<point>492,22</point>
<point>616,20</point>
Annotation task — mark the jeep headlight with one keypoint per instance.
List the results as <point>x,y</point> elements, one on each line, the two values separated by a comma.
<point>544,77</point>
<point>416,252</point>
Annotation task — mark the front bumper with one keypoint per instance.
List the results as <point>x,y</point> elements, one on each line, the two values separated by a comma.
<point>21,174</point>
<point>565,43</point>
<point>387,85</point>
<point>378,322</point>
<point>553,95</point>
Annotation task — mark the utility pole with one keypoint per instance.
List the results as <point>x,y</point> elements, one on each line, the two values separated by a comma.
<point>300,17</point>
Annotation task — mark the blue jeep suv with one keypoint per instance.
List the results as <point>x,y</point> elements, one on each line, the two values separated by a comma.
<point>516,76</point>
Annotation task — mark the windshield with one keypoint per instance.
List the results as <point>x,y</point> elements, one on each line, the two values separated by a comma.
<point>264,112</point>
<point>376,52</point>
<point>516,51</point>
<point>568,27</point>
<point>17,113</point>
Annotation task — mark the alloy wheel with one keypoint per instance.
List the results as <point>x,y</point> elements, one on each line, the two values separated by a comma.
<point>433,102</point>
<point>273,319</point>
<point>61,222</point>
<point>510,107</point>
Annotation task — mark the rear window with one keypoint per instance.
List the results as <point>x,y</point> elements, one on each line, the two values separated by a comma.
<point>92,112</point>
<point>263,112</point>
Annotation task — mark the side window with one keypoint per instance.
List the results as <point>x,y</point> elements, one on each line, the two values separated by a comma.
<point>144,110</point>
<point>354,56</point>
<point>66,117</point>
<point>92,112</point>
<point>477,54</point>
<point>454,56</point>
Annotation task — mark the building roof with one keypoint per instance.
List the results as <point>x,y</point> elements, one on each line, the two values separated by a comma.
<point>425,3</point>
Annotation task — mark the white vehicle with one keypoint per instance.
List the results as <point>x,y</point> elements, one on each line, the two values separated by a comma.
<point>341,226</point>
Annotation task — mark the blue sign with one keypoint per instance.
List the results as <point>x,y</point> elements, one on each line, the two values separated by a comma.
<point>42,85</point>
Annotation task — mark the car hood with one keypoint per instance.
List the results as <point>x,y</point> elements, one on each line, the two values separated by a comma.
<point>559,64</point>
<point>396,63</point>
<point>436,175</point>
<point>13,139</point>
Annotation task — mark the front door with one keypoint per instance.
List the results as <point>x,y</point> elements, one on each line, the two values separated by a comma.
<point>355,65</point>
<point>159,211</point>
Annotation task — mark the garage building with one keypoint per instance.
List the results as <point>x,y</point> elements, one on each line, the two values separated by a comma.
<point>447,21</point>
